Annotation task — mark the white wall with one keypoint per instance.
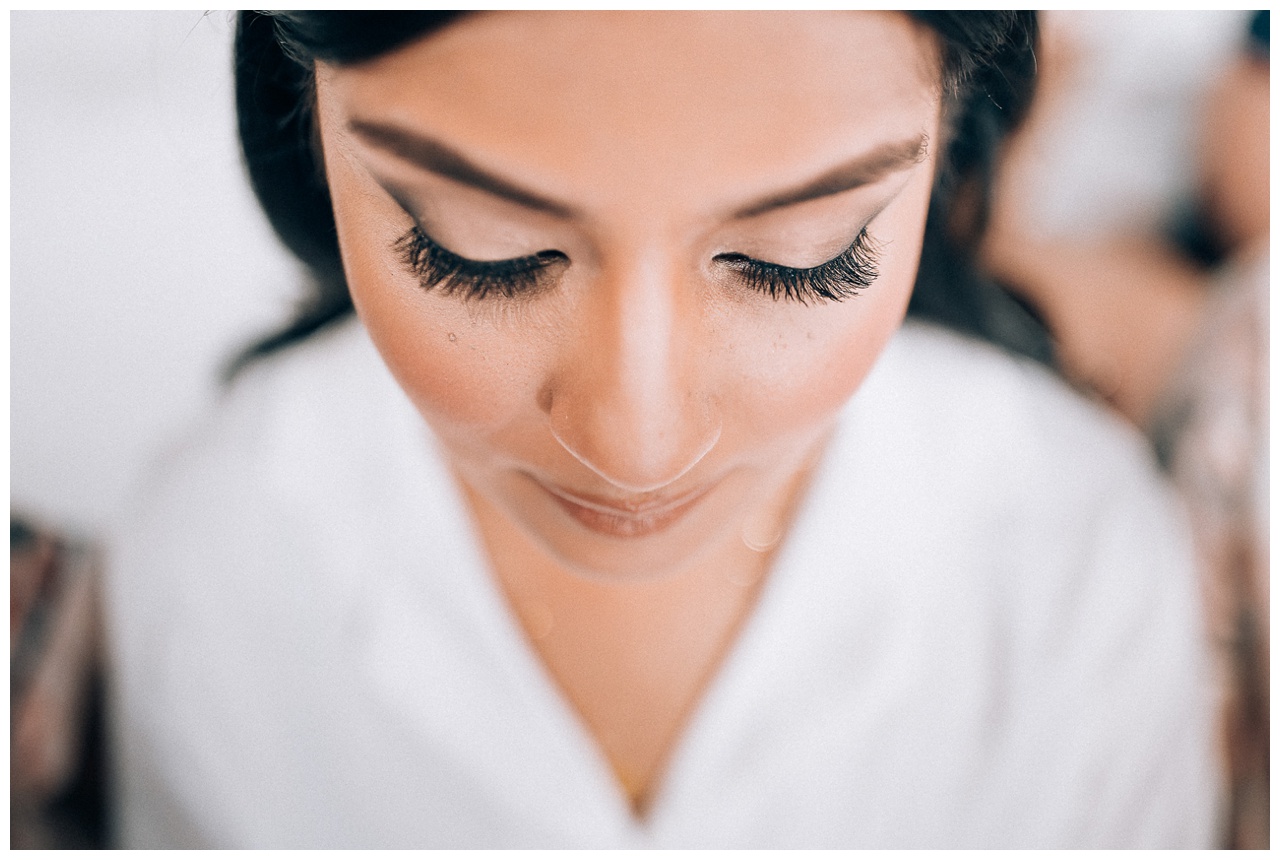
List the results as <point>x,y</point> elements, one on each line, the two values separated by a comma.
<point>139,260</point>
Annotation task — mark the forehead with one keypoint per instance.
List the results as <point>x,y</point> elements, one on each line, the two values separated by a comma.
<point>575,98</point>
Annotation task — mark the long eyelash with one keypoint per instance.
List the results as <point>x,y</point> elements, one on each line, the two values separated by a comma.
<point>438,267</point>
<point>836,280</point>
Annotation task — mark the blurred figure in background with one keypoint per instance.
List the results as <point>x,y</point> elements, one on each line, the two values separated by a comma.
<point>56,746</point>
<point>1157,297</point>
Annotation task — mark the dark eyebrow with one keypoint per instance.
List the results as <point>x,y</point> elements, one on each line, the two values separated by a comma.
<point>444,161</point>
<point>440,159</point>
<point>863,170</point>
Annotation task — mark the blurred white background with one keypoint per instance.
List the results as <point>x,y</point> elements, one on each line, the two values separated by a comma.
<point>139,259</point>
<point>140,262</point>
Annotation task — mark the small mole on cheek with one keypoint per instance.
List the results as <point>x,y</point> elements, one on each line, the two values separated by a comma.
<point>452,337</point>
<point>809,335</point>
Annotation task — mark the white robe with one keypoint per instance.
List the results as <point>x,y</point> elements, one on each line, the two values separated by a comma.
<point>982,631</point>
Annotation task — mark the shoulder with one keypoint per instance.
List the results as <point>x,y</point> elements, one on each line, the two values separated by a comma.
<point>284,413</point>
<point>1015,517</point>
<point>954,377</point>
<point>239,504</point>
<point>233,577</point>
<point>999,422</point>
<point>1038,476</point>
<point>997,448</point>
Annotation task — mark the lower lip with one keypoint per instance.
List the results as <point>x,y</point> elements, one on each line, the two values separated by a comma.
<point>622,524</point>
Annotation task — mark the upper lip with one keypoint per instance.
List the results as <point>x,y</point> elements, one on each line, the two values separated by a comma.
<point>642,505</point>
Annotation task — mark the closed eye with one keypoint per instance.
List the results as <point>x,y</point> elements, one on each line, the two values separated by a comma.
<point>436,267</point>
<point>845,275</point>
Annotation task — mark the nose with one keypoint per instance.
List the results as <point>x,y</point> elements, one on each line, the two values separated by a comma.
<point>631,398</point>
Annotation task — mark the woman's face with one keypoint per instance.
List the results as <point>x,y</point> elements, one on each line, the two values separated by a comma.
<point>629,266</point>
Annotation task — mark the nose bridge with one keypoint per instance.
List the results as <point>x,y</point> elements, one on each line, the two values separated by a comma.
<point>631,402</point>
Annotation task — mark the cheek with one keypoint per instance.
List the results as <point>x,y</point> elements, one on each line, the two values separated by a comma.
<point>451,373</point>
<point>806,377</point>
<point>800,373</point>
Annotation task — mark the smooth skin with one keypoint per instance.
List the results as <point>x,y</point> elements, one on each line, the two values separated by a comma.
<point>633,438</point>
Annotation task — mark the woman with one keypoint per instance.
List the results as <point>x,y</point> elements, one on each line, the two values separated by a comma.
<point>578,538</point>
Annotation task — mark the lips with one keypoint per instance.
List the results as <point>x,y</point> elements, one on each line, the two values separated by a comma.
<point>625,518</point>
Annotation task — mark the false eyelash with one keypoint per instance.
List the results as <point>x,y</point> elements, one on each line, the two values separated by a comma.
<point>436,266</point>
<point>836,280</point>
